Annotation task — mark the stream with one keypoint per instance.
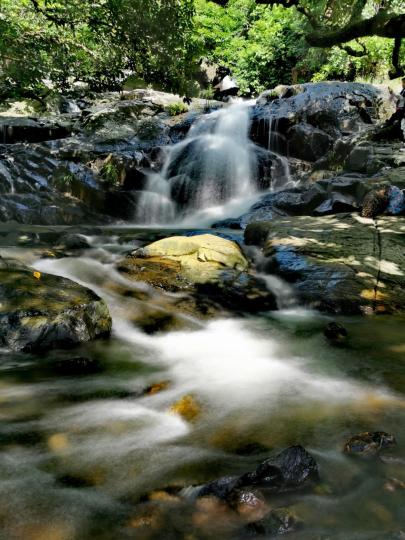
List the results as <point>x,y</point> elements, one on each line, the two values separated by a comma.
<point>92,444</point>
<point>79,453</point>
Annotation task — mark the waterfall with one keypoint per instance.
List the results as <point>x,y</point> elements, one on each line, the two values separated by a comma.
<point>212,174</point>
<point>277,143</point>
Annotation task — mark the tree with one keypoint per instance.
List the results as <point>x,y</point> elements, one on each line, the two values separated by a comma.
<point>338,22</point>
<point>97,42</point>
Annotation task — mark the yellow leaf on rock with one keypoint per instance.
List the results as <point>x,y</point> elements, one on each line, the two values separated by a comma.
<point>37,275</point>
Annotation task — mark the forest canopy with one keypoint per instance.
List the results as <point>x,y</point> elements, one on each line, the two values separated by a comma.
<point>50,45</point>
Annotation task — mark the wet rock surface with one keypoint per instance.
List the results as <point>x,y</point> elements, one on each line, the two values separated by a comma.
<point>49,165</point>
<point>291,469</point>
<point>311,116</point>
<point>339,264</point>
<point>369,444</point>
<point>203,265</point>
<point>40,311</point>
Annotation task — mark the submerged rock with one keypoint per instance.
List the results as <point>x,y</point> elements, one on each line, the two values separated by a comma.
<point>335,332</point>
<point>369,444</point>
<point>187,407</point>
<point>207,266</point>
<point>278,522</point>
<point>40,311</point>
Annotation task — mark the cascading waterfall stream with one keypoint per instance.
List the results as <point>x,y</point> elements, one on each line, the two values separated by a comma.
<point>277,144</point>
<point>212,174</point>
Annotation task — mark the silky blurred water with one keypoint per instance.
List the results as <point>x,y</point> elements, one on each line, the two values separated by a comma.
<point>79,453</point>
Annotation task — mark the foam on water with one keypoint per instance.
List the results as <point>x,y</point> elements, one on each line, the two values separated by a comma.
<point>230,363</point>
<point>211,175</point>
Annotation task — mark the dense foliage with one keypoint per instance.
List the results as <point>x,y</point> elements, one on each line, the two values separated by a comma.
<point>95,42</point>
<point>49,44</point>
<point>265,46</point>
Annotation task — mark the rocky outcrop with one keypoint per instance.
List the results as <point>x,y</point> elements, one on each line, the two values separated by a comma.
<point>206,266</point>
<point>40,311</point>
<point>333,109</point>
<point>86,161</point>
<point>343,264</point>
<point>31,130</point>
<point>307,142</point>
<point>340,194</point>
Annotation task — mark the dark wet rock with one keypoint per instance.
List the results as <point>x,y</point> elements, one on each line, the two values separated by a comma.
<point>41,311</point>
<point>337,108</point>
<point>74,241</point>
<point>257,232</point>
<point>239,293</point>
<point>221,488</point>
<point>369,443</point>
<point>339,264</point>
<point>308,142</point>
<point>335,332</point>
<point>338,203</point>
<point>278,522</point>
<point>76,366</point>
<point>53,180</point>
<point>336,195</point>
<point>370,158</point>
<point>31,130</point>
<point>293,468</point>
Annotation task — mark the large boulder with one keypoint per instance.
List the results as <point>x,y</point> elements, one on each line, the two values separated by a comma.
<point>204,265</point>
<point>339,264</point>
<point>311,116</point>
<point>308,142</point>
<point>40,311</point>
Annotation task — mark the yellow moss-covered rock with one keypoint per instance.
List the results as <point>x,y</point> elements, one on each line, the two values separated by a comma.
<point>200,258</point>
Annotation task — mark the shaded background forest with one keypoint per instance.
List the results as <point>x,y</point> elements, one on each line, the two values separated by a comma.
<point>57,45</point>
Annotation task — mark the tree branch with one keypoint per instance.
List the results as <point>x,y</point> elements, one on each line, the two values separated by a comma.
<point>398,70</point>
<point>382,24</point>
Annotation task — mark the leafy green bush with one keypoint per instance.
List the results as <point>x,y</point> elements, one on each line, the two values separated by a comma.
<point>176,108</point>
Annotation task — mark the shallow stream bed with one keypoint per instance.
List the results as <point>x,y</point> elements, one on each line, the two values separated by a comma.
<point>81,449</point>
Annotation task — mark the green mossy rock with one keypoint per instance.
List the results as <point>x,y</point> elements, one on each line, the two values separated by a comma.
<point>41,311</point>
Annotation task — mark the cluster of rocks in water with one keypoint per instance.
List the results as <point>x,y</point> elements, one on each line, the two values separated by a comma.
<point>252,504</point>
<point>89,164</point>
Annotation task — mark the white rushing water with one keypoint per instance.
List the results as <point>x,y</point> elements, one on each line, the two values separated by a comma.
<point>230,365</point>
<point>211,175</point>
